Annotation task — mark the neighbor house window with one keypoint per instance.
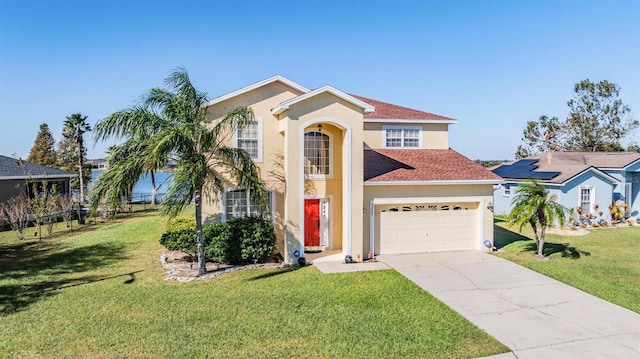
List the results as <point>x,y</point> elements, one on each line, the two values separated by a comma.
<point>401,137</point>
<point>506,191</point>
<point>237,203</point>
<point>317,154</point>
<point>586,199</point>
<point>249,139</point>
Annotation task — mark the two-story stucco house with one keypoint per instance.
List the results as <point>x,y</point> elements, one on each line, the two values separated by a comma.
<point>359,175</point>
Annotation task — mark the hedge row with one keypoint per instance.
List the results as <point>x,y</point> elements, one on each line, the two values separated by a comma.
<point>237,241</point>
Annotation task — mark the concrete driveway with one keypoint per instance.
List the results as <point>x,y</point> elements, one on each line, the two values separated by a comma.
<point>534,315</point>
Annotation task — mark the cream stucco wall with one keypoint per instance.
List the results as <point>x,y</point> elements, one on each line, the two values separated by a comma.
<point>434,135</point>
<point>482,193</point>
<point>271,168</point>
<point>345,120</point>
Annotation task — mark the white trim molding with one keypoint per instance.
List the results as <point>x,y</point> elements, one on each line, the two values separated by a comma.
<point>324,89</point>
<point>257,85</point>
<point>431,183</point>
<point>417,121</point>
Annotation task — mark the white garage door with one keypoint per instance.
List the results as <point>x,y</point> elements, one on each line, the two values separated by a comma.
<point>428,230</point>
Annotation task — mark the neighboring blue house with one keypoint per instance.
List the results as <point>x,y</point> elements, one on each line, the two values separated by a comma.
<point>579,179</point>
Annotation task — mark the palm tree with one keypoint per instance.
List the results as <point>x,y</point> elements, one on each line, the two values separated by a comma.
<point>171,124</point>
<point>533,205</point>
<point>74,128</point>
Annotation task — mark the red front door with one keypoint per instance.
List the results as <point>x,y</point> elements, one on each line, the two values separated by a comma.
<point>311,222</point>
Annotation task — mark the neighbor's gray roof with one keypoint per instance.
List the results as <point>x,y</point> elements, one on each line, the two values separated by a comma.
<point>9,169</point>
<point>595,159</point>
<point>572,164</point>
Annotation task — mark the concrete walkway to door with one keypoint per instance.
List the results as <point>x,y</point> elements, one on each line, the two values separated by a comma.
<point>534,315</point>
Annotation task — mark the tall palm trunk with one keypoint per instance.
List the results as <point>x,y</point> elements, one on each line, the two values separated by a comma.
<point>154,189</point>
<point>81,169</point>
<point>543,228</point>
<point>535,230</point>
<point>202,265</point>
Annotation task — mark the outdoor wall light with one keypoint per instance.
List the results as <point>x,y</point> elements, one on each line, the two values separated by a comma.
<point>319,127</point>
<point>490,206</point>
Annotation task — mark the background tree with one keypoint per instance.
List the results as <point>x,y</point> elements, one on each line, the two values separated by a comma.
<point>173,122</point>
<point>74,128</point>
<point>545,135</point>
<point>67,160</point>
<point>533,205</point>
<point>43,151</point>
<point>597,118</point>
<point>597,121</point>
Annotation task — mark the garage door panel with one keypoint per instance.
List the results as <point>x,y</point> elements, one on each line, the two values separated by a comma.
<point>425,231</point>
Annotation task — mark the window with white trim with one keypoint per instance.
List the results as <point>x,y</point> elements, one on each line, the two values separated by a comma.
<point>401,137</point>
<point>317,154</point>
<point>506,191</point>
<point>249,139</point>
<point>237,203</point>
<point>587,195</point>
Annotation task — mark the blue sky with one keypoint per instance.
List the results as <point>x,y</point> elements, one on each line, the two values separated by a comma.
<point>493,65</point>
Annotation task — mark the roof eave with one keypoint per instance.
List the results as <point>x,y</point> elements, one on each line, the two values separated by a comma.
<point>432,183</point>
<point>396,120</point>
<point>22,177</point>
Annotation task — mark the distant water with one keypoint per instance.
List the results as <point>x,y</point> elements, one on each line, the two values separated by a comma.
<point>143,189</point>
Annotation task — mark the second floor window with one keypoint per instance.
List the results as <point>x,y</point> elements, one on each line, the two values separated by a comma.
<point>399,137</point>
<point>317,154</point>
<point>250,139</point>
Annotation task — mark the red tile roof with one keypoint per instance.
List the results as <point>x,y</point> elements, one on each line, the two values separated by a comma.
<point>384,110</point>
<point>422,165</point>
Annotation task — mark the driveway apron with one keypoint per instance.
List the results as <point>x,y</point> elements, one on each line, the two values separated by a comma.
<point>534,315</point>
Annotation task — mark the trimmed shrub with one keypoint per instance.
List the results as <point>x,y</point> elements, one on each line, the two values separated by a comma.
<point>180,240</point>
<point>237,241</point>
<point>179,223</point>
<point>241,240</point>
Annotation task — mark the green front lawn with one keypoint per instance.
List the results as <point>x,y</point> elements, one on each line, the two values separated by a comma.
<point>100,293</point>
<point>604,263</point>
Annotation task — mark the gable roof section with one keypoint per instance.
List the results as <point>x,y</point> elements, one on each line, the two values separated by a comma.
<point>390,112</point>
<point>9,169</point>
<point>324,89</point>
<point>374,110</point>
<point>423,167</point>
<point>257,85</point>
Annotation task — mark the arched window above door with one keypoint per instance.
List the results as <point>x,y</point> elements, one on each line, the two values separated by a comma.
<point>317,154</point>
